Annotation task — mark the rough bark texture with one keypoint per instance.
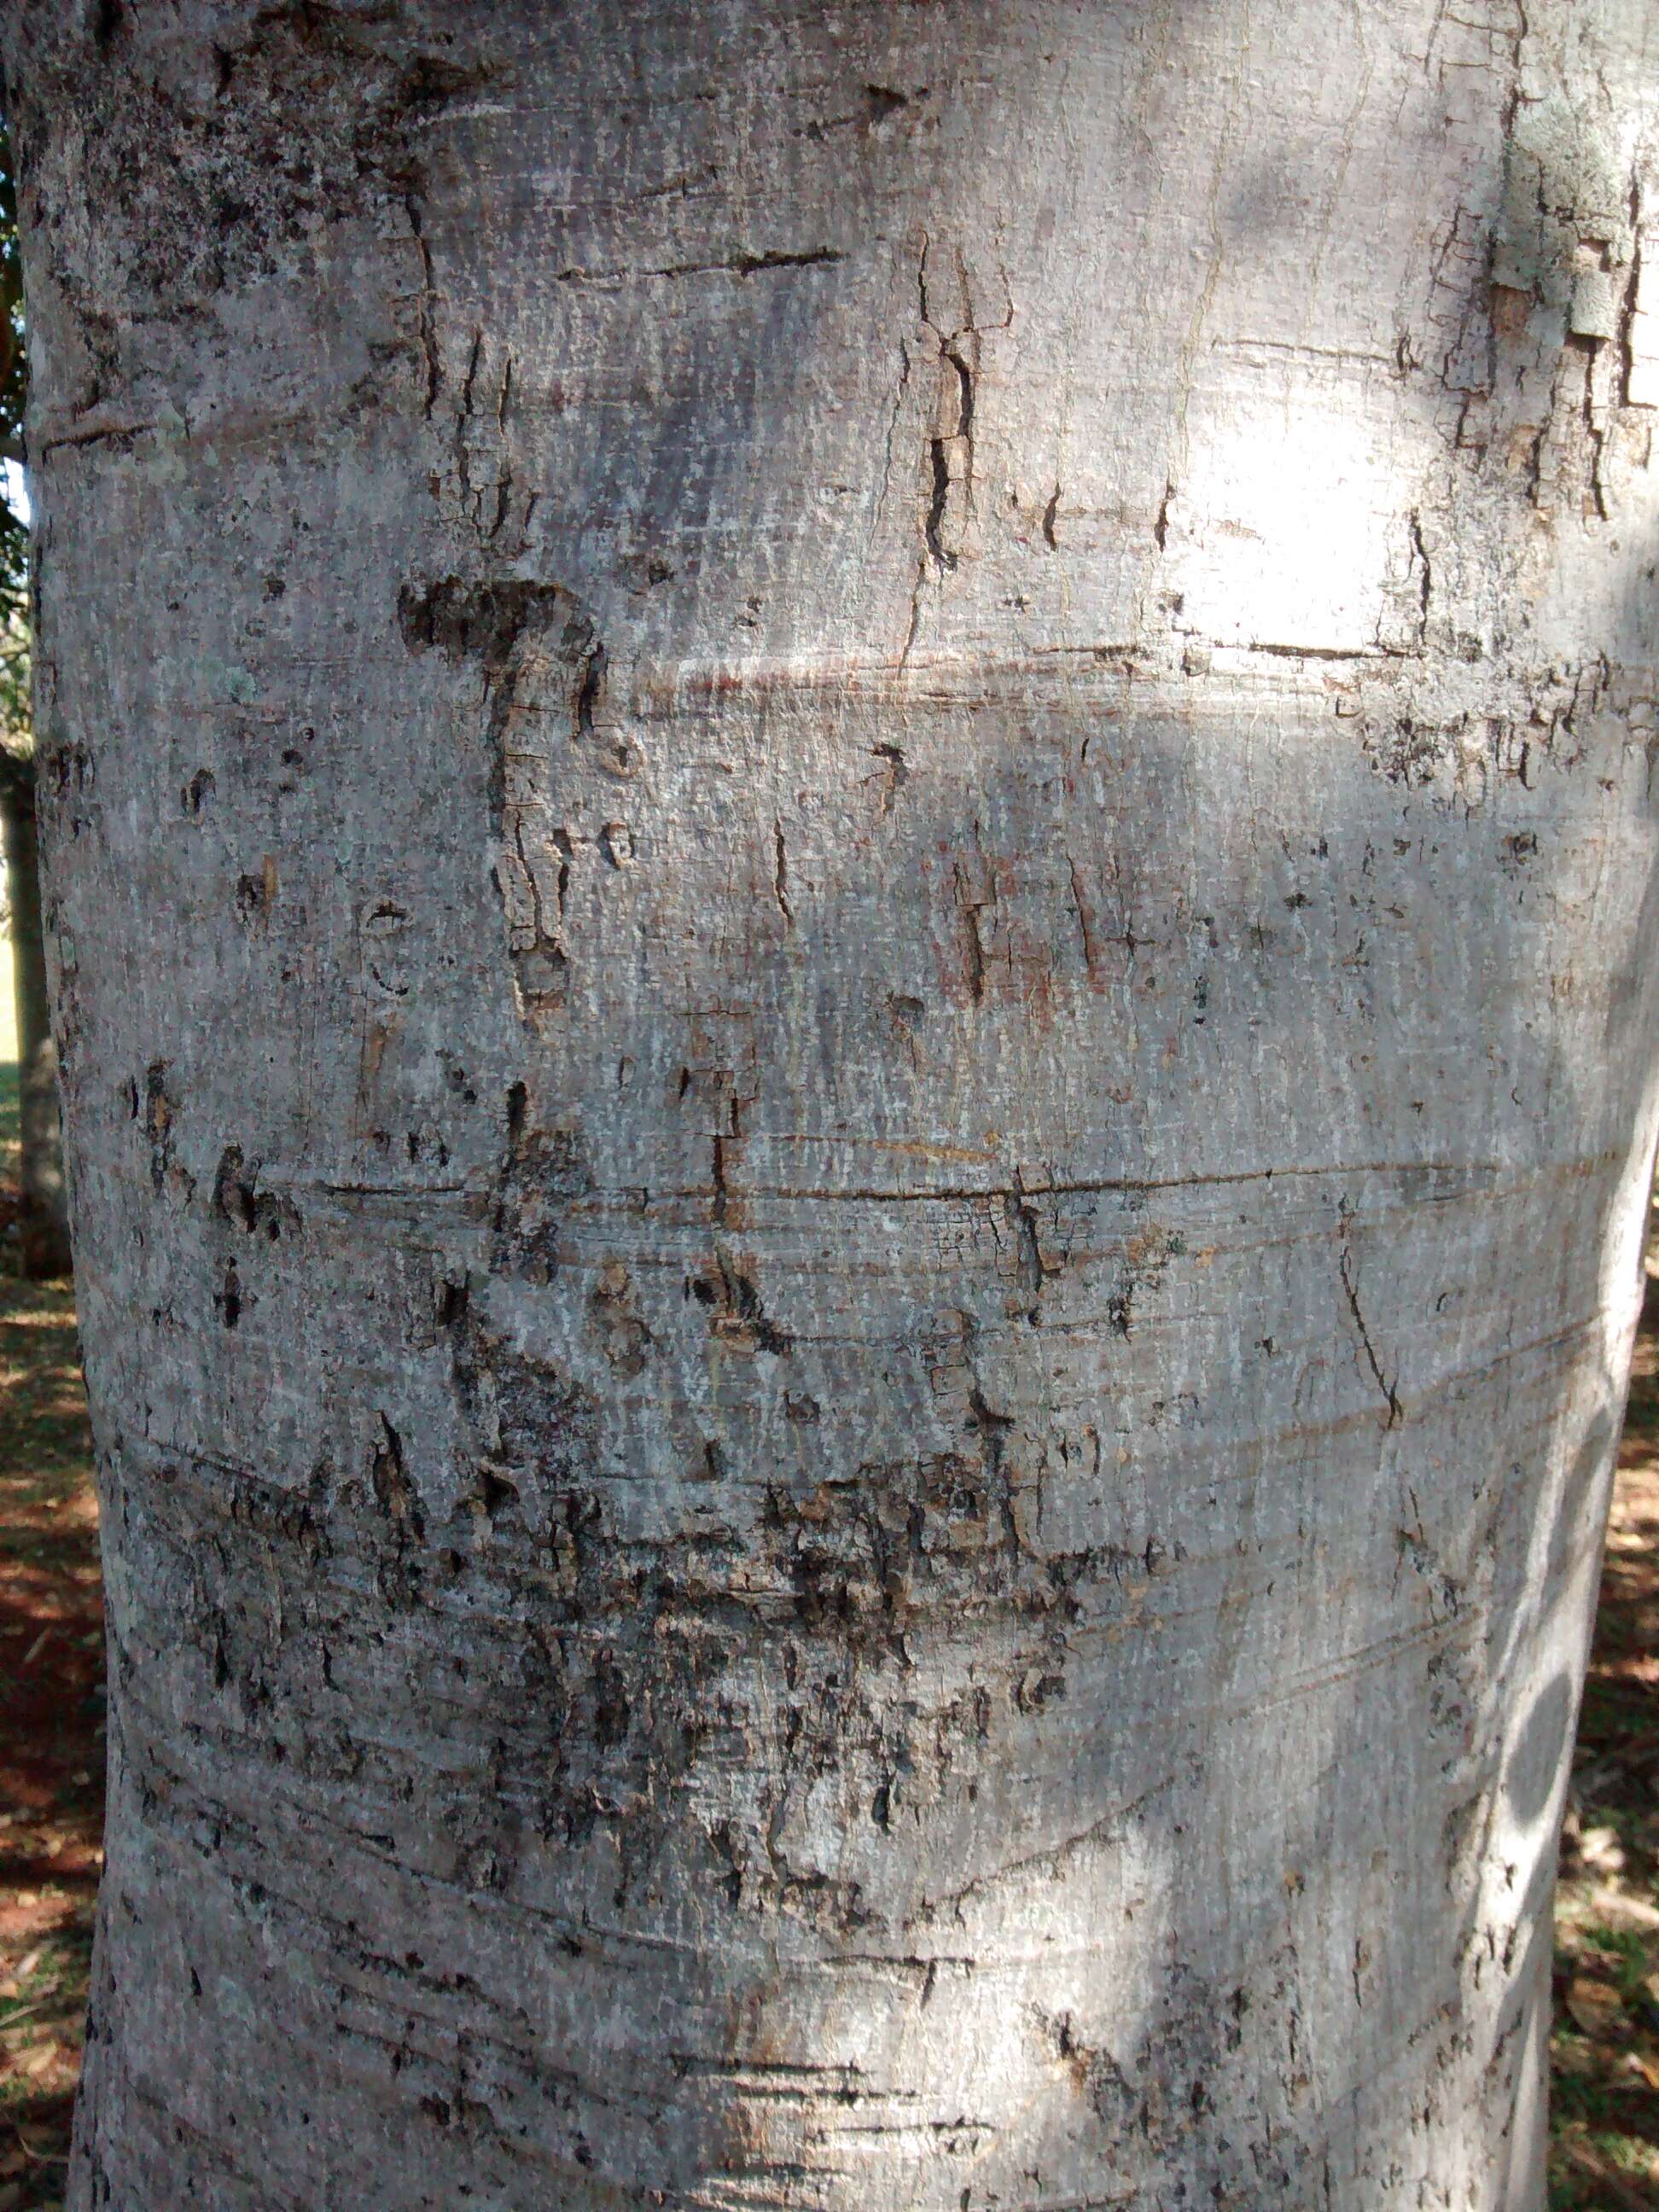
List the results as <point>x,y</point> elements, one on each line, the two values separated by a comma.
<point>43,1208</point>
<point>852,865</point>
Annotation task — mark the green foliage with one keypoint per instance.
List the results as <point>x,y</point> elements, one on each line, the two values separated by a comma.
<point>16,731</point>
<point>1627,1954</point>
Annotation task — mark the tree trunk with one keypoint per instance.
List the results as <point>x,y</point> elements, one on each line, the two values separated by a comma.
<point>43,1211</point>
<point>851,864</point>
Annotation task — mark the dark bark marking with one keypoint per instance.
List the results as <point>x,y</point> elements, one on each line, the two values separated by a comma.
<point>991,1429</point>
<point>1396,1412</point>
<point>429,340</point>
<point>882,100</point>
<point>493,623</point>
<point>391,1484</point>
<point>781,874</point>
<point>540,1168</point>
<point>483,620</point>
<point>593,660</point>
<point>238,1199</point>
<point>717,1177</point>
<point>160,1110</point>
<point>1425,583</point>
<point>624,1338</point>
<point>495,1492</point>
<point>940,462</point>
<point>898,769</point>
<point>1030,1256</point>
<point>955,428</point>
<point>737,264</point>
<point>737,1315</point>
<point>1080,905</point>
<point>972,901</point>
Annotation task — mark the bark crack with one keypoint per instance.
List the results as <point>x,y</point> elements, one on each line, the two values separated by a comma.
<point>1081,905</point>
<point>428,341</point>
<point>1396,1412</point>
<point>736,264</point>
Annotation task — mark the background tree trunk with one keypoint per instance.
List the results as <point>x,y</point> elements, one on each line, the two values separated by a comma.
<point>43,1217</point>
<point>850,857</point>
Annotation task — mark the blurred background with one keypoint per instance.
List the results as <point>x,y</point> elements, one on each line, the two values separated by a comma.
<point>1606,2042</point>
<point>51,1734</point>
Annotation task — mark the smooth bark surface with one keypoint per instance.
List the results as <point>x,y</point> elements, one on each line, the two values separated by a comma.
<point>851,859</point>
<point>43,1210</point>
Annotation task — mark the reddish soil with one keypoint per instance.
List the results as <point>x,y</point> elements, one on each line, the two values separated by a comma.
<point>51,1734</point>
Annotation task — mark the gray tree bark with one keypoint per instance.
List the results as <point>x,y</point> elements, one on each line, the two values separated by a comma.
<point>42,1214</point>
<point>851,856</point>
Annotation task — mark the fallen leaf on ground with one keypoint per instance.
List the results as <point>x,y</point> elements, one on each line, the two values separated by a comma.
<point>1600,1849</point>
<point>1596,2006</point>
